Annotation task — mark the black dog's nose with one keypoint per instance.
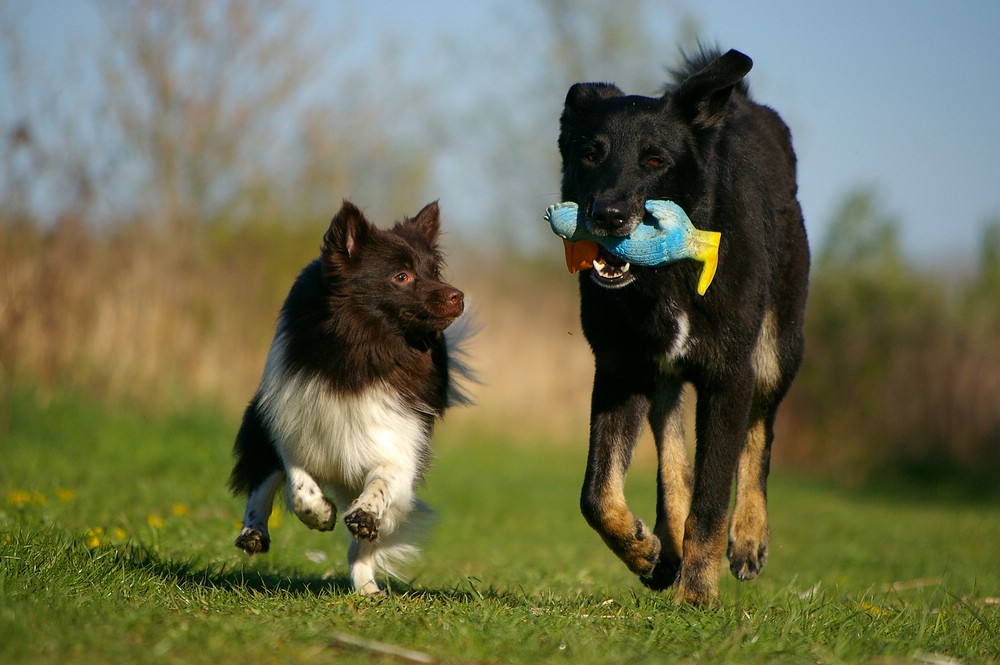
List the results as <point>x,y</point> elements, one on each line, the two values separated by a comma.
<point>610,216</point>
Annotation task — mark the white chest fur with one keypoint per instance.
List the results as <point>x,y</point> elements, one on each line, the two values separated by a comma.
<point>337,437</point>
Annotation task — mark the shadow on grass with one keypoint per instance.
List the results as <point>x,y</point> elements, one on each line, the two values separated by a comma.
<point>142,560</point>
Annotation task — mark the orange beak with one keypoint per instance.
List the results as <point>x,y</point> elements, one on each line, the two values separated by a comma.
<point>580,255</point>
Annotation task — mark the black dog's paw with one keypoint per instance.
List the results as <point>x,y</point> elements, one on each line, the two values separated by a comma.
<point>663,576</point>
<point>746,562</point>
<point>253,541</point>
<point>362,524</point>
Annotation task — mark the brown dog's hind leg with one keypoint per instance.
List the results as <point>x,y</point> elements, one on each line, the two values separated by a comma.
<point>254,538</point>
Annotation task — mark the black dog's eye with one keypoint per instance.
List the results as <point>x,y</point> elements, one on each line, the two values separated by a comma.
<point>654,161</point>
<point>402,277</point>
<point>590,154</point>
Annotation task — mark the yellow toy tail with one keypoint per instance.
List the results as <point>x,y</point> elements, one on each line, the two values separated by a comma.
<point>705,248</point>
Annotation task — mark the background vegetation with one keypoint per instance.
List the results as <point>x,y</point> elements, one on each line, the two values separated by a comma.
<point>147,240</point>
<point>138,291</point>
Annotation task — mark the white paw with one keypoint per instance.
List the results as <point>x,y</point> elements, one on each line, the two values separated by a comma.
<point>306,500</point>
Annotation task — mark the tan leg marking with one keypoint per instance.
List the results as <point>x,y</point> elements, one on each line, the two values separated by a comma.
<point>676,477</point>
<point>627,536</point>
<point>698,581</point>
<point>748,530</point>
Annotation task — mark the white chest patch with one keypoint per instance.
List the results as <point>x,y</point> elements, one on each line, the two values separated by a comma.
<point>338,438</point>
<point>679,347</point>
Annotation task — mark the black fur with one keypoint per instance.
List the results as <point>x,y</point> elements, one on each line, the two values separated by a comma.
<point>729,163</point>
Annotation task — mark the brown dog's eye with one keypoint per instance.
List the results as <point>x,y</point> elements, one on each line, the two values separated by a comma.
<point>402,277</point>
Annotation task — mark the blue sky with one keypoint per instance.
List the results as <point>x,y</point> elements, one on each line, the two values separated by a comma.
<point>903,95</point>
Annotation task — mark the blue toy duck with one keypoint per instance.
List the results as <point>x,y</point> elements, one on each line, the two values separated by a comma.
<point>669,236</point>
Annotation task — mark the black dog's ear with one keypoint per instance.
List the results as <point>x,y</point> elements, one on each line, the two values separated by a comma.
<point>581,95</point>
<point>580,98</point>
<point>705,94</point>
<point>349,230</point>
<point>428,221</point>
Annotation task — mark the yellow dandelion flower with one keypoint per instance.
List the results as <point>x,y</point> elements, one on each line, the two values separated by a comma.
<point>155,521</point>
<point>119,534</point>
<point>872,610</point>
<point>66,495</point>
<point>18,498</point>
<point>21,498</point>
<point>180,509</point>
<point>94,538</point>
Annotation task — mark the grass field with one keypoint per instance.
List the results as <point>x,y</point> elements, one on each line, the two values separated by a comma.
<point>116,546</point>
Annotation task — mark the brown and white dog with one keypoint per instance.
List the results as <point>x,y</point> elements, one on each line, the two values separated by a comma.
<point>359,370</point>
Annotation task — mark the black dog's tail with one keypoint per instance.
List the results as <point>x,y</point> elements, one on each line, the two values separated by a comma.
<point>696,60</point>
<point>256,458</point>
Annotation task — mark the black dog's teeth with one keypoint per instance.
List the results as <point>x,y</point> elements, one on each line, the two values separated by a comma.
<point>610,272</point>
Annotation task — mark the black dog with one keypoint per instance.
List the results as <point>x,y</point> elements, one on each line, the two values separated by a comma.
<point>359,370</point>
<point>729,163</point>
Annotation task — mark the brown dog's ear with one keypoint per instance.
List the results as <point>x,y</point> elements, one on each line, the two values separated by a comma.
<point>428,221</point>
<point>349,231</point>
<point>705,94</point>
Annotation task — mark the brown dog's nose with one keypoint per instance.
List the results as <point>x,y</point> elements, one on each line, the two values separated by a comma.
<point>455,299</point>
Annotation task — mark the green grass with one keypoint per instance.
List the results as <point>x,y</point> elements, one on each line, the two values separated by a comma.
<point>116,546</point>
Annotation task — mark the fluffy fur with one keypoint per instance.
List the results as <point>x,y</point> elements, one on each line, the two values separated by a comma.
<point>729,163</point>
<point>359,370</point>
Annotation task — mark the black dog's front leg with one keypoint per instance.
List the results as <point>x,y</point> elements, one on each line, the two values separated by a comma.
<point>723,413</point>
<point>674,477</point>
<point>618,411</point>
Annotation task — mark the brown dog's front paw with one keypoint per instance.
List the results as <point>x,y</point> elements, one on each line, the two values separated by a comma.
<point>362,524</point>
<point>253,541</point>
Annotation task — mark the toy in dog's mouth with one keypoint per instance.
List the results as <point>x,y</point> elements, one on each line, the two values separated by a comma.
<point>665,235</point>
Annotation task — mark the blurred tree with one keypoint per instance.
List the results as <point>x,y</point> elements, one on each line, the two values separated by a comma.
<point>989,258</point>
<point>630,43</point>
<point>45,167</point>
<point>861,235</point>
<point>900,375</point>
<point>202,94</point>
<point>198,91</point>
<point>196,111</point>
